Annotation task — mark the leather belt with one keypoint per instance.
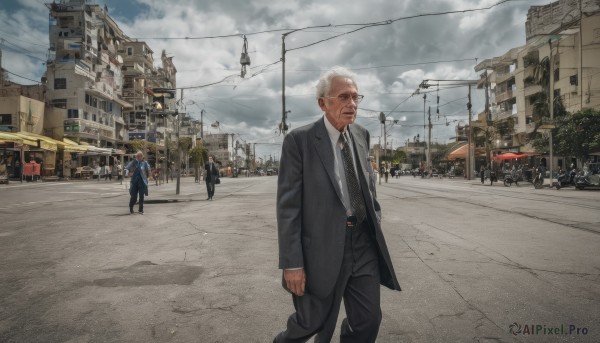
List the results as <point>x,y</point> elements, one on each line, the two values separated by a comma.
<point>351,222</point>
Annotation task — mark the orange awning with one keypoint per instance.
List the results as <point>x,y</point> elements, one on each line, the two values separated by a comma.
<point>460,153</point>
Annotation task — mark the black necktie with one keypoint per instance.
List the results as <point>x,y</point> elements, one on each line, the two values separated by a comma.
<point>356,199</point>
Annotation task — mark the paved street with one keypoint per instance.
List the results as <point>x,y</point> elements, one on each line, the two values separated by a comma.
<point>472,260</point>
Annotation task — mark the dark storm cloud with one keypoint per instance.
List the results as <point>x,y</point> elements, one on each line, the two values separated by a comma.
<point>252,106</point>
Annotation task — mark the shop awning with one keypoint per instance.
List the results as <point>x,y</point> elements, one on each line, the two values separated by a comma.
<point>71,146</point>
<point>509,156</point>
<point>40,141</point>
<point>10,137</point>
<point>460,153</point>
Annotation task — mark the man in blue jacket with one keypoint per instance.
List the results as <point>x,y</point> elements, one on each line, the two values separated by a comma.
<point>139,171</point>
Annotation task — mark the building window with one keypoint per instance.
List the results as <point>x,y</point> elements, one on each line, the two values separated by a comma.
<point>5,119</point>
<point>60,103</point>
<point>94,117</point>
<point>60,83</point>
<point>71,113</point>
<point>129,51</point>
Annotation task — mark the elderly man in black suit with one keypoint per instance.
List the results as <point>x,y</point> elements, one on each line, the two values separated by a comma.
<point>331,246</point>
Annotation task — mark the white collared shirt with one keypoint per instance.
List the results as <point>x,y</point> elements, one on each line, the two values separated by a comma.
<point>340,174</point>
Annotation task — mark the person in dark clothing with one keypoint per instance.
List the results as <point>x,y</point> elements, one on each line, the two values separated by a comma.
<point>139,171</point>
<point>331,244</point>
<point>212,175</point>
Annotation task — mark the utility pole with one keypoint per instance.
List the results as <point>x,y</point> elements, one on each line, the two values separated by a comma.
<point>202,125</point>
<point>177,188</point>
<point>551,106</point>
<point>469,156</point>
<point>429,141</point>
<point>283,125</point>
<point>424,125</point>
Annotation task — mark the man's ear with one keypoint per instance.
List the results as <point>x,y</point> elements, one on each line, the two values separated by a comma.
<point>322,104</point>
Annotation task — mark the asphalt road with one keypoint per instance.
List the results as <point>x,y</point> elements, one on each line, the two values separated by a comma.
<point>473,260</point>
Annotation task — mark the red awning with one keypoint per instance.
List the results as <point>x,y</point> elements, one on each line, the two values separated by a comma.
<point>510,156</point>
<point>460,153</point>
<point>149,91</point>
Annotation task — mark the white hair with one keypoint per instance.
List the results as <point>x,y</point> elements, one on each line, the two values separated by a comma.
<point>324,84</point>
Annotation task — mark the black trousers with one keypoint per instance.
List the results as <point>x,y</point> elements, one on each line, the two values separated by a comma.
<point>210,187</point>
<point>357,284</point>
<point>137,188</point>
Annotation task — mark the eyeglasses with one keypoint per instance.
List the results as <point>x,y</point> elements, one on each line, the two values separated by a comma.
<point>357,98</point>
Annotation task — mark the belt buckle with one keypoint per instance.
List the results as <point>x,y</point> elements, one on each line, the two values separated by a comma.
<point>350,222</point>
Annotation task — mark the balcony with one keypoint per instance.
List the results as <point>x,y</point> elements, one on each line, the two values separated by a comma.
<point>531,89</point>
<point>133,69</point>
<point>100,89</point>
<point>504,96</point>
<point>89,129</point>
<point>503,115</point>
<point>504,76</point>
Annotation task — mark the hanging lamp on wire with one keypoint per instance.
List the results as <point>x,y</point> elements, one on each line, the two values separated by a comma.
<point>245,58</point>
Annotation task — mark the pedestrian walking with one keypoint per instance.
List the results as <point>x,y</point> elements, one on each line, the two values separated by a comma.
<point>331,246</point>
<point>139,171</point>
<point>482,174</point>
<point>212,176</point>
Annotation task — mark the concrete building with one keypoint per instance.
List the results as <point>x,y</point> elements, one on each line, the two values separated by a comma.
<point>554,33</point>
<point>151,93</point>
<point>221,145</point>
<point>84,72</point>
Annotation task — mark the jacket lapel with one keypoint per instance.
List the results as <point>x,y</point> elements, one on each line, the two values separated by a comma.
<point>325,152</point>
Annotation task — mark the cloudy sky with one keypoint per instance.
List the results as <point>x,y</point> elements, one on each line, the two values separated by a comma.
<point>390,60</point>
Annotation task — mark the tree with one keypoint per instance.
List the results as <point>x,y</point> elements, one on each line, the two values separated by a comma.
<point>138,145</point>
<point>198,155</point>
<point>184,144</point>
<point>399,156</point>
<point>578,134</point>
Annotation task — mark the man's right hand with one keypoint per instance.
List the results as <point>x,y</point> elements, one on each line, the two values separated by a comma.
<point>295,280</point>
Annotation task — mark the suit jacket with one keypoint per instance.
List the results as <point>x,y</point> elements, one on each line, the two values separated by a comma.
<point>211,175</point>
<point>311,217</point>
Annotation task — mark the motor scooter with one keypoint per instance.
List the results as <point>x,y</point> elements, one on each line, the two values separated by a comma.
<point>513,177</point>
<point>493,177</point>
<point>564,179</point>
<point>538,179</point>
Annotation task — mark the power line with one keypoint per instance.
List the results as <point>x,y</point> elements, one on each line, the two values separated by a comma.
<point>23,77</point>
<point>363,26</point>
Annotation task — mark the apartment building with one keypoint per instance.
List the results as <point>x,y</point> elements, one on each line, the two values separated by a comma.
<point>150,91</point>
<point>221,145</point>
<point>84,72</point>
<point>566,36</point>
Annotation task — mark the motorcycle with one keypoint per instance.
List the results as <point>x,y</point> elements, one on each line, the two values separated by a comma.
<point>565,180</point>
<point>591,178</point>
<point>513,177</point>
<point>538,180</point>
<point>493,178</point>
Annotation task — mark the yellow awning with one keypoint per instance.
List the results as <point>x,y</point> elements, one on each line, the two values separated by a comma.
<point>45,143</point>
<point>16,138</point>
<point>71,146</point>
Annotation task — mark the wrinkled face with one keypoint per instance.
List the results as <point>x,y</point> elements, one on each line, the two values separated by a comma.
<point>340,113</point>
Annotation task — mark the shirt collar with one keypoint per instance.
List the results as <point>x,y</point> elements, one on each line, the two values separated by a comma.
<point>334,134</point>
